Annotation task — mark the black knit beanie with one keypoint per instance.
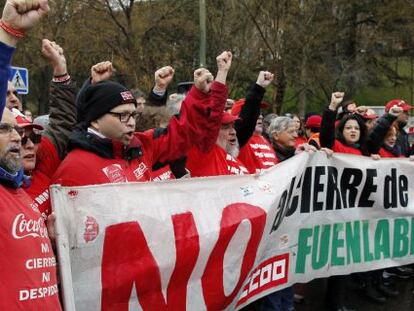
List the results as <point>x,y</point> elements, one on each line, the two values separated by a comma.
<point>94,100</point>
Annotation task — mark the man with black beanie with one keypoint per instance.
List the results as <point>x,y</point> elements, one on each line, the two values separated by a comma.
<point>106,148</point>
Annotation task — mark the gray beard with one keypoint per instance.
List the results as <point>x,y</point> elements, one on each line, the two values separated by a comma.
<point>233,151</point>
<point>9,163</point>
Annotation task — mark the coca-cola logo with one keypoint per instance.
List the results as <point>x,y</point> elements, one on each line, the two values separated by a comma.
<point>23,227</point>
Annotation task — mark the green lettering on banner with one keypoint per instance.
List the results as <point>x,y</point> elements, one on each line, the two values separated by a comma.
<point>412,237</point>
<point>320,247</point>
<point>368,256</point>
<point>353,242</point>
<point>400,245</point>
<point>382,240</point>
<point>337,242</point>
<point>303,249</point>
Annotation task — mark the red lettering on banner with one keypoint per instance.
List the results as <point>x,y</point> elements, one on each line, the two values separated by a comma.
<point>212,279</point>
<point>127,259</point>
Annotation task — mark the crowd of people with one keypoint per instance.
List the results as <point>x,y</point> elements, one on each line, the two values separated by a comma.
<point>119,135</point>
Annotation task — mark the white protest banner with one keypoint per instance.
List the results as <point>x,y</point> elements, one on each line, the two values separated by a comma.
<point>223,242</point>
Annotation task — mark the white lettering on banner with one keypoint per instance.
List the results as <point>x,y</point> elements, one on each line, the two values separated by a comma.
<point>38,263</point>
<point>23,227</point>
<point>269,274</point>
<point>163,176</point>
<point>36,293</point>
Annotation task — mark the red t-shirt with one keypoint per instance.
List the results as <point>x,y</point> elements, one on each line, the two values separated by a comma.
<point>27,262</point>
<point>216,162</point>
<point>257,154</point>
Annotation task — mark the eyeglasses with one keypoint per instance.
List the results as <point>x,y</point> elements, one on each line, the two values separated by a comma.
<point>124,116</point>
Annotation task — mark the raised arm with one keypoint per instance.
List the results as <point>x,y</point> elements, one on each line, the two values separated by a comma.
<point>251,109</point>
<point>200,116</point>
<point>376,137</point>
<point>327,132</point>
<point>18,17</point>
<point>62,98</point>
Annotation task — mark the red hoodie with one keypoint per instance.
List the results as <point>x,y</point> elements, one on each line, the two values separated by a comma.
<point>257,154</point>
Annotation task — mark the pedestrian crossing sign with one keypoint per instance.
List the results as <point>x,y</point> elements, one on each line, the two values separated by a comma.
<point>20,79</point>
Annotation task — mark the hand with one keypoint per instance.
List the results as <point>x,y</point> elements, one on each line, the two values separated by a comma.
<point>306,148</point>
<point>203,79</point>
<point>21,15</point>
<point>375,157</point>
<point>24,14</point>
<point>336,99</point>
<point>396,110</point>
<point>264,78</point>
<point>163,77</point>
<point>54,54</point>
<point>101,71</point>
<point>361,110</point>
<point>50,224</point>
<point>327,151</point>
<point>224,61</point>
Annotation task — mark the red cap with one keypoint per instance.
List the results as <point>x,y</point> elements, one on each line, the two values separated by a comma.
<point>399,103</point>
<point>228,118</point>
<point>23,122</point>
<point>314,121</point>
<point>235,110</point>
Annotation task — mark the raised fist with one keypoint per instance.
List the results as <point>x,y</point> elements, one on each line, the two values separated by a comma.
<point>54,54</point>
<point>24,14</point>
<point>224,61</point>
<point>101,71</point>
<point>203,79</point>
<point>336,99</point>
<point>264,78</point>
<point>163,77</point>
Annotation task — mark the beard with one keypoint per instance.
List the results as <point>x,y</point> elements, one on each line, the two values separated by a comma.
<point>233,150</point>
<point>10,162</point>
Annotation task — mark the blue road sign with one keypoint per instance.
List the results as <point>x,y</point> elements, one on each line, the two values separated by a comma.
<point>20,79</point>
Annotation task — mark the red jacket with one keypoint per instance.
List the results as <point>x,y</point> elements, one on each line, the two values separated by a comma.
<point>96,161</point>
<point>214,163</point>
<point>340,147</point>
<point>47,162</point>
<point>27,263</point>
<point>257,154</point>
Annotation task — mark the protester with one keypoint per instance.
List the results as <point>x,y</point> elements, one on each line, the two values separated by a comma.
<point>300,139</point>
<point>12,99</point>
<point>234,133</point>
<point>257,154</point>
<point>23,285</point>
<point>402,120</point>
<point>42,154</point>
<point>312,128</point>
<point>28,115</point>
<point>106,146</point>
<point>350,132</point>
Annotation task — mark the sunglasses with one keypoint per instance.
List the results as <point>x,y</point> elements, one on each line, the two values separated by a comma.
<point>35,138</point>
